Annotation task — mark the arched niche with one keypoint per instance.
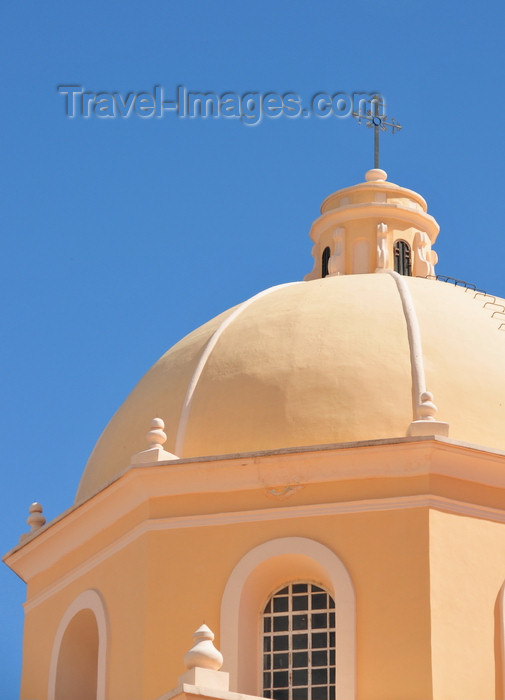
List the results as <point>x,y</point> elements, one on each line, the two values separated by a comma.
<point>361,256</point>
<point>78,659</point>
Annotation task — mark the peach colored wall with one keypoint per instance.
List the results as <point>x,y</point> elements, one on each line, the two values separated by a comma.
<point>359,194</point>
<point>467,572</point>
<point>120,580</point>
<point>365,229</point>
<point>156,597</point>
<point>163,583</point>
<point>81,552</point>
<point>386,555</point>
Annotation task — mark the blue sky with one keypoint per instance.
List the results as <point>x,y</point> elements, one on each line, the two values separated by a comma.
<point>122,235</point>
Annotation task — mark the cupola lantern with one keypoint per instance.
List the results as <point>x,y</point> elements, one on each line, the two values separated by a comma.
<point>374,225</point>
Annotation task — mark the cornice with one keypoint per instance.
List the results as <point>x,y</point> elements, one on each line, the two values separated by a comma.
<point>374,186</point>
<point>262,515</point>
<point>375,210</point>
<point>271,471</point>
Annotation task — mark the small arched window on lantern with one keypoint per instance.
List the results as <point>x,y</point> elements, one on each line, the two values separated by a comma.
<point>325,260</point>
<point>403,258</point>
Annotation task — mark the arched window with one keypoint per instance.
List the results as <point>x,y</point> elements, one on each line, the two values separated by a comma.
<point>403,258</point>
<point>325,260</point>
<point>299,644</point>
<point>275,565</point>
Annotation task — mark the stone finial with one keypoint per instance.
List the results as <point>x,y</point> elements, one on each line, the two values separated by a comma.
<point>156,438</point>
<point>35,520</point>
<point>203,662</point>
<point>376,175</point>
<point>427,408</point>
<point>203,653</point>
<point>156,434</point>
<point>426,423</point>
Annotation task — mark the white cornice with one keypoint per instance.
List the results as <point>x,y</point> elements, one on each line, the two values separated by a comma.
<point>273,473</point>
<point>375,210</point>
<point>390,188</point>
<point>263,515</point>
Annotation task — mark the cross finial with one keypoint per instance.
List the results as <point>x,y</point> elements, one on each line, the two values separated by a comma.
<point>376,117</point>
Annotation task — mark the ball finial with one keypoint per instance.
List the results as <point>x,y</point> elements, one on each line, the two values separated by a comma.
<point>203,653</point>
<point>156,434</point>
<point>35,520</point>
<point>427,408</point>
<point>156,438</point>
<point>376,175</point>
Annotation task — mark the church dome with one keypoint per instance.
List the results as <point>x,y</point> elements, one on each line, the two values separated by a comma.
<point>339,359</point>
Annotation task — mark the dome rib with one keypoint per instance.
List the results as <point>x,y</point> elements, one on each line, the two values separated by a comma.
<point>209,347</point>
<point>337,360</point>
<point>414,339</point>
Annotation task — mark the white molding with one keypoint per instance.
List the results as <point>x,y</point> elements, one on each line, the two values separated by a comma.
<point>235,632</point>
<point>501,632</point>
<point>375,211</point>
<point>261,470</point>
<point>414,336</point>
<point>423,408</point>
<point>183,690</point>
<point>209,347</point>
<point>87,600</point>
<point>262,515</point>
<point>438,455</point>
<point>391,188</point>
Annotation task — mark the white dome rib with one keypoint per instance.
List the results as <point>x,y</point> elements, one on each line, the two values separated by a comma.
<point>414,338</point>
<point>211,344</point>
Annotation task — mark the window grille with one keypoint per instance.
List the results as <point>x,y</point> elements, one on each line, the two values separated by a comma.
<point>299,644</point>
<point>403,258</point>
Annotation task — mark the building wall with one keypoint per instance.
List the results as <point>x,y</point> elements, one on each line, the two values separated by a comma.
<point>162,543</point>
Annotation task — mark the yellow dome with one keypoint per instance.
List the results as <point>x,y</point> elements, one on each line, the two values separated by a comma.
<point>325,361</point>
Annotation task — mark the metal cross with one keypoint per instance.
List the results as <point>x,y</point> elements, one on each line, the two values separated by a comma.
<point>377,121</point>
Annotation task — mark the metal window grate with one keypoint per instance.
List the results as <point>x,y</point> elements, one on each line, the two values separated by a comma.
<point>403,258</point>
<point>299,644</point>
